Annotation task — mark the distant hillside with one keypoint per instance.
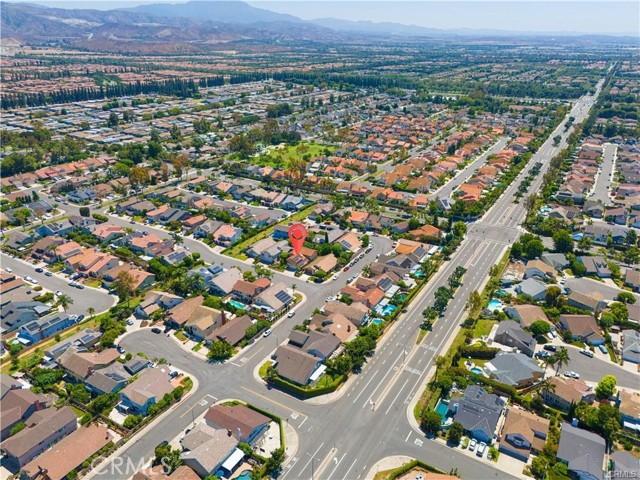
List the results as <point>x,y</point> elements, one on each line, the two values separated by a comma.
<point>215,11</point>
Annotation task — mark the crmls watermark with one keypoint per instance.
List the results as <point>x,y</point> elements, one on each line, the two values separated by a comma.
<point>622,474</point>
<point>125,466</point>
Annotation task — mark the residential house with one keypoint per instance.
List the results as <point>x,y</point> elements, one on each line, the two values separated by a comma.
<point>582,451</point>
<point>539,269</point>
<point>178,315</point>
<point>203,321</point>
<point>583,328</point>
<point>595,266</point>
<point>222,284</point>
<point>514,369</point>
<point>335,324</point>
<point>593,301</point>
<point>154,301</point>
<point>45,327</point>
<point>326,264</point>
<point>106,232</point>
<point>478,411</point>
<point>68,454</point>
<point>556,260</point>
<point>207,449</point>
<point>350,242</point>
<point>16,406</point>
<point>274,298</point>
<point>44,428</point>
<point>566,392</point>
<point>60,228</point>
<point>296,365</point>
<point>526,314</point>
<point>231,332</point>
<point>244,423</point>
<point>246,292</point>
<point>523,433</point>
<point>82,340</point>
<point>357,313</point>
<point>532,287</point>
<point>318,344</point>
<point>149,388</point>
<point>632,279</point>
<point>630,346</point>
<point>80,365</point>
<point>628,403</point>
<point>14,315</point>
<point>511,334</point>
<point>226,235</point>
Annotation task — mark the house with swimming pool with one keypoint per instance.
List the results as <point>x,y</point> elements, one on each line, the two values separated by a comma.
<point>478,411</point>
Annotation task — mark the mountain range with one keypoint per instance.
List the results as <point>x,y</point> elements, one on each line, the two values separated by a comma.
<point>190,27</point>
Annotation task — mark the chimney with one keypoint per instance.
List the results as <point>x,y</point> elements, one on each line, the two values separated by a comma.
<point>348,328</point>
<point>228,433</point>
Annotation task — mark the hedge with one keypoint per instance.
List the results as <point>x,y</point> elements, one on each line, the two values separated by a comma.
<point>497,386</point>
<point>304,392</point>
<point>472,351</point>
<point>407,467</point>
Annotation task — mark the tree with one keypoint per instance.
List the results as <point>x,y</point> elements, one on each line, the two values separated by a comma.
<point>539,466</point>
<point>18,427</point>
<point>65,300</point>
<point>91,311</point>
<point>113,120</point>
<point>562,241</point>
<point>274,462</point>
<point>22,215</point>
<point>430,421</point>
<point>220,351</point>
<point>540,327</point>
<point>123,285</point>
<point>459,229</point>
<point>620,311</point>
<point>167,457</point>
<point>561,358</point>
<point>85,211</point>
<point>606,386</point>
<point>474,302</point>
<point>455,433</point>
<point>553,296</point>
<point>626,297</point>
<point>139,176</point>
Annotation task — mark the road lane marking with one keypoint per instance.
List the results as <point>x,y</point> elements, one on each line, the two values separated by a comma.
<point>337,465</point>
<point>273,401</point>
<point>408,435</point>
<point>366,385</point>
<point>346,475</point>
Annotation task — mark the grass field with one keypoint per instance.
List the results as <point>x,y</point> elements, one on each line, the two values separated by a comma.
<point>482,328</point>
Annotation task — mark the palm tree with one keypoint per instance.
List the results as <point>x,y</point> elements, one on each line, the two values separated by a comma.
<point>294,287</point>
<point>65,300</point>
<point>561,358</point>
<point>366,271</point>
<point>91,311</point>
<point>547,385</point>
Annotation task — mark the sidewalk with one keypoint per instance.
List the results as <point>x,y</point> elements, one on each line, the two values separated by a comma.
<point>387,463</point>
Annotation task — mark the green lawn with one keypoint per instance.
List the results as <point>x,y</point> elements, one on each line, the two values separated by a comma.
<point>263,369</point>
<point>238,250</point>
<point>181,336</point>
<point>483,327</point>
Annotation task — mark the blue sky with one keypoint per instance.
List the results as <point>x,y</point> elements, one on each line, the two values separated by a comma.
<point>610,17</point>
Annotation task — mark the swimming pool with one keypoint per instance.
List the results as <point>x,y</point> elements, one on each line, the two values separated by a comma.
<point>389,309</point>
<point>402,297</point>
<point>494,304</point>
<point>441,408</point>
<point>245,475</point>
<point>501,293</point>
<point>236,304</point>
<point>377,321</point>
<point>477,371</point>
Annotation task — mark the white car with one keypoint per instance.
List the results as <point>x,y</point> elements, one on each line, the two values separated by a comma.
<point>291,314</point>
<point>267,332</point>
<point>8,270</point>
<point>481,448</point>
<point>472,444</point>
<point>336,276</point>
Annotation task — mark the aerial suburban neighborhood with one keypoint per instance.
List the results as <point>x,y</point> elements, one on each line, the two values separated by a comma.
<point>240,244</point>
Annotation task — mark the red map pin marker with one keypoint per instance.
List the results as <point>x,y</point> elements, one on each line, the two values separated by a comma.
<point>297,235</point>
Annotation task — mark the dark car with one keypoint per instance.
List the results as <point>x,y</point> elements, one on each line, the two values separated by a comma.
<point>156,330</point>
<point>550,348</point>
<point>39,270</point>
<point>167,328</point>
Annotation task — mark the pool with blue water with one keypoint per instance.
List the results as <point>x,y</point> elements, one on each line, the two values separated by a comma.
<point>494,304</point>
<point>236,304</point>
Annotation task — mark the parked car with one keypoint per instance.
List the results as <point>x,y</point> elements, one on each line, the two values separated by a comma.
<point>129,322</point>
<point>291,314</point>
<point>603,349</point>
<point>48,274</point>
<point>79,286</point>
<point>472,444</point>
<point>481,448</point>
<point>8,270</point>
<point>550,348</point>
<point>174,373</point>
<point>120,349</point>
<point>571,374</point>
<point>336,276</point>
<point>267,332</point>
<point>39,270</point>
<point>345,268</point>
<point>156,330</point>
<point>586,352</point>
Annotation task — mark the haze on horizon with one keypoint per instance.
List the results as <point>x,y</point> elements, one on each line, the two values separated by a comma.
<point>543,16</point>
